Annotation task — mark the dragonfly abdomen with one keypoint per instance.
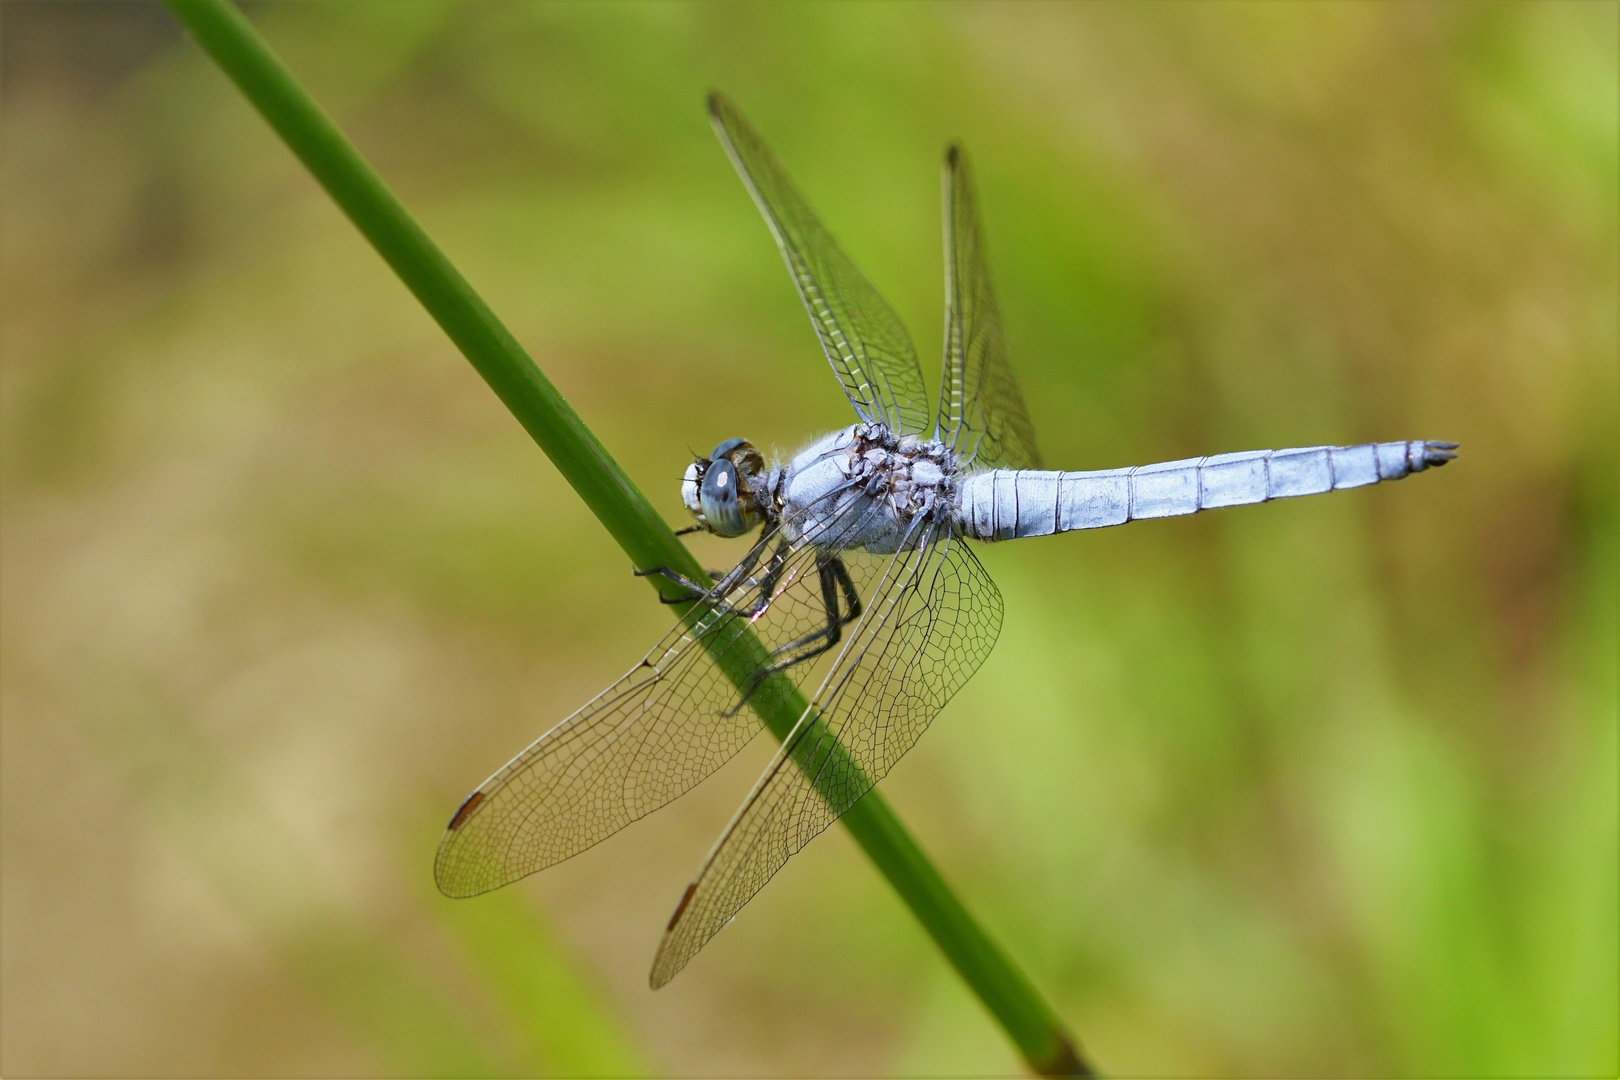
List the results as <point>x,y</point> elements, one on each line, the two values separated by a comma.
<point>1004,504</point>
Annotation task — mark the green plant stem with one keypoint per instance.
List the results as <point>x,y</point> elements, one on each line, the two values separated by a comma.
<point>226,35</point>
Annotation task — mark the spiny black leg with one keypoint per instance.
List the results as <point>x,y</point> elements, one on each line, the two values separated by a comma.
<point>773,574</point>
<point>834,577</point>
<point>767,585</point>
<point>696,591</point>
<point>828,635</point>
<point>851,598</point>
<point>725,582</point>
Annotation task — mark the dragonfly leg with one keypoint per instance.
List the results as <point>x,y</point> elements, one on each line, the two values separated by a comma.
<point>725,583</point>
<point>834,576</point>
<point>834,579</point>
<point>693,589</point>
<point>767,584</point>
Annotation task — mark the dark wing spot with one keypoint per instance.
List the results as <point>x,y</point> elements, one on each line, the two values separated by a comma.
<point>686,898</point>
<point>464,809</point>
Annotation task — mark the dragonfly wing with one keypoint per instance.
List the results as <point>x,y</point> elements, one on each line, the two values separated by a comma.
<point>930,622</point>
<point>865,342</point>
<point>647,739</point>
<point>981,411</point>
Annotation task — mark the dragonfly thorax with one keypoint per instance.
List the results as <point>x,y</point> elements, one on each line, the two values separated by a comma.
<point>866,487</point>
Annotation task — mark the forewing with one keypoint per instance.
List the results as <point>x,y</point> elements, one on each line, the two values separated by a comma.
<point>929,625</point>
<point>650,737</point>
<point>865,342</point>
<point>981,412</point>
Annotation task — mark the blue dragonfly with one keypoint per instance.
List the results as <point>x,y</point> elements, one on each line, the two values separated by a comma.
<point>861,587</point>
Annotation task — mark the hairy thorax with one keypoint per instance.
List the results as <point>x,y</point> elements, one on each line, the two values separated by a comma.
<point>866,487</point>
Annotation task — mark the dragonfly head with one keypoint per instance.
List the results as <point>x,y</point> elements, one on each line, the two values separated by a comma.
<point>717,491</point>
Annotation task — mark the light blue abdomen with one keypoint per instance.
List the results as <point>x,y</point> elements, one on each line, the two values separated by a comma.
<point>1002,504</point>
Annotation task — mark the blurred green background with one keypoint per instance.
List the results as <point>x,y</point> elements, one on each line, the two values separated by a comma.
<point>1325,787</point>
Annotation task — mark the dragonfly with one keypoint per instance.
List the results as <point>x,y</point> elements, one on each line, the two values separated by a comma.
<point>860,607</point>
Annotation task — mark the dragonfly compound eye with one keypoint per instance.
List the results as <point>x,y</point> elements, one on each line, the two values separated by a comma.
<point>741,453</point>
<point>725,503</point>
<point>721,500</point>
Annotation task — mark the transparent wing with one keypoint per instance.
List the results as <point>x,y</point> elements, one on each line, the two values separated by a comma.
<point>981,412</point>
<point>648,738</point>
<point>929,624</point>
<point>865,342</point>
